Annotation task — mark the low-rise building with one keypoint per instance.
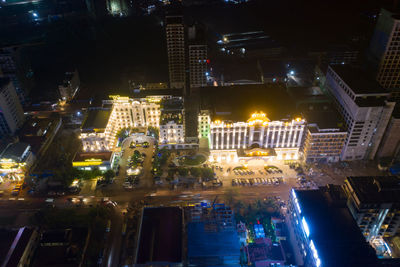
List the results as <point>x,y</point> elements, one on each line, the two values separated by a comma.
<point>17,246</point>
<point>325,137</point>
<point>64,247</point>
<point>16,159</point>
<point>39,132</point>
<point>87,161</point>
<point>264,253</point>
<point>212,237</point>
<point>374,203</point>
<point>325,230</point>
<point>70,85</point>
<point>95,133</point>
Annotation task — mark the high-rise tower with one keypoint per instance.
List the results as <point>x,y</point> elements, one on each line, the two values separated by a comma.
<point>175,31</point>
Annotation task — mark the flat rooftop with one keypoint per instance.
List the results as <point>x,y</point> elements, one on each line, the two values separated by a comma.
<point>238,102</point>
<point>360,81</point>
<point>376,189</point>
<point>160,236</point>
<point>333,230</point>
<point>15,151</point>
<point>104,156</point>
<point>3,81</point>
<point>96,119</point>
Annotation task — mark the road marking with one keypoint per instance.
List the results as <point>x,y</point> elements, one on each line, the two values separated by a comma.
<point>11,198</point>
<point>21,198</point>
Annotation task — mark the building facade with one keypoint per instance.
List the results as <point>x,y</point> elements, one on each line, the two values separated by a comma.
<point>69,86</point>
<point>326,234</point>
<point>284,137</point>
<point>204,121</point>
<point>323,145</point>
<point>198,65</point>
<point>175,33</point>
<point>390,146</point>
<point>13,65</point>
<point>374,203</point>
<point>12,114</point>
<point>385,50</point>
<point>99,130</point>
<point>365,108</point>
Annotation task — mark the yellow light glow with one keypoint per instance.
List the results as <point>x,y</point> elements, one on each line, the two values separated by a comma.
<point>118,97</point>
<point>298,119</point>
<point>258,118</point>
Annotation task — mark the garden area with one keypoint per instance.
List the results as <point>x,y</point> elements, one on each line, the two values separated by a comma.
<point>192,160</point>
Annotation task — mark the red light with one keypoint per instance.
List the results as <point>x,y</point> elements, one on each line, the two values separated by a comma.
<point>208,61</point>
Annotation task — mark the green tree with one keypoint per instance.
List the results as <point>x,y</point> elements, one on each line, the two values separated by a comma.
<point>195,172</point>
<point>207,173</point>
<point>108,175</point>
<point>123,133</point>
<point>153,131</point>
<point>183,171</point>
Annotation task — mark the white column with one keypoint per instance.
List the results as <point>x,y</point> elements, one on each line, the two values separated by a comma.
<point>233,137</point>
<point>267,137</point>
<point>262,136</point>
<point>245,133</point>
<point>288,144</point>
<point>278,136</point>
<point>222,138</point>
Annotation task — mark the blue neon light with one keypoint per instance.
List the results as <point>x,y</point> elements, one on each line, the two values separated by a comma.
<point>315,254</point>
<point>305,227</point>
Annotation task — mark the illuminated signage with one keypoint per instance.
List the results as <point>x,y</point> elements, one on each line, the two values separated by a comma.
<point>87,162</point>
<point>118,97</point>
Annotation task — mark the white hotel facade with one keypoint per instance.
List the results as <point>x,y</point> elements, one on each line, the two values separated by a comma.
<point>257,137</point>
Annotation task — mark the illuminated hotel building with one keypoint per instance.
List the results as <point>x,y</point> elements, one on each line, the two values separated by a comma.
<point>100,128</point>
<point>259,133</point>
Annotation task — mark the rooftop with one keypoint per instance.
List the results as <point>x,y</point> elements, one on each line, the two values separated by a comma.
<point>96,119</point>
<point>14,246</point>
<point>239,101</point>
<point>3,81</point>
<point>104,156</point>
<point>15,151</point>
<point>360,81</point>
<point>333,230</point>
<point>160,235</point>
<point>263,249</point>
<point>376,189</point>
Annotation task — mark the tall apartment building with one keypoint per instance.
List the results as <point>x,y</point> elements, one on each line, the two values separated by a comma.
<point>175,32</point>
<point>197,50</point>
<point>11,112</point>
<point>365,108</point>
<point>374,203</point>
<point>198,65</point>
<point>385,51</point>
